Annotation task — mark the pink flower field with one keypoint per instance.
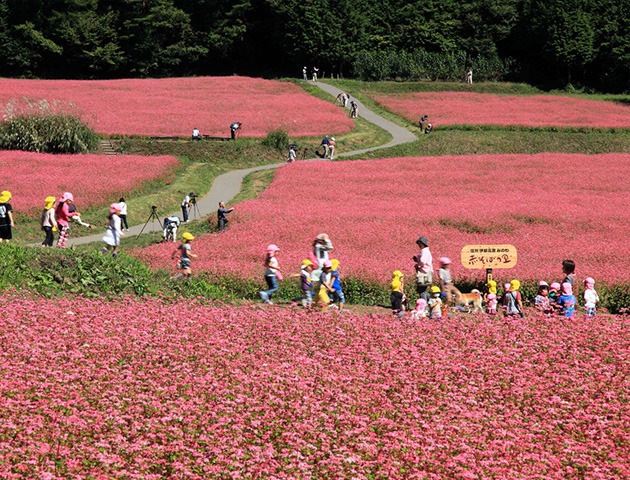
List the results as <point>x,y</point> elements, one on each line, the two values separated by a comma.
<point>550,206</point>
<point>174,106</point>
<point>93,179</point>
<point>457,108</point>
<point>146,389</point>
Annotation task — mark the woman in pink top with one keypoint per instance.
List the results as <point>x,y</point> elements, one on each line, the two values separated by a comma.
<point>424,267</point>
<point>63,214</point>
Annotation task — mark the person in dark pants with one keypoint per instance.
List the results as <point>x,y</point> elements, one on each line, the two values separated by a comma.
<point>186,204</point>
<point>234,127</point>
<point>221,213</point>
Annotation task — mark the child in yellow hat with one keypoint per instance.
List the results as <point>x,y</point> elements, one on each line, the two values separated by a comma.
<point>48,221</point>
<point>6,217</point>
<point>435,302</point>
<point>306,284</point>
<point>183,253</point>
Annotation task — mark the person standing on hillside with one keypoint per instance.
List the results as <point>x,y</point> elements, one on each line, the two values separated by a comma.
<point>424,268</point>
<point>221,213</point>
<point>315,71</point>
<point>469,76</point>
<point>304,74</point>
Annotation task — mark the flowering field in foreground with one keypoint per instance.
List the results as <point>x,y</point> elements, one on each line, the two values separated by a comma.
<point>448,108</point>
<point>549,206</point>
<point>93,179</point>
<point>174,106</point>
<point>146,389</point>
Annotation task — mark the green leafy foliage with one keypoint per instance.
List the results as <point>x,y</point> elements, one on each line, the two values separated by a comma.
<point>43,126</point>
<point>278,139</point>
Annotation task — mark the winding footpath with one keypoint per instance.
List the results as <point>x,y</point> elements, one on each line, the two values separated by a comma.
<point>227,186</point>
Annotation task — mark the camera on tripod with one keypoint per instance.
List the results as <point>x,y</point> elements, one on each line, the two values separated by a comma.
<point>193,199</point>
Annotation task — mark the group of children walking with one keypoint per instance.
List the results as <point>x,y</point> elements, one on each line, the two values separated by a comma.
<point>319,276</point>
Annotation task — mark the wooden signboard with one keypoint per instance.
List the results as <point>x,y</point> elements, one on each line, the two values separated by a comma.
<point>489,256</point>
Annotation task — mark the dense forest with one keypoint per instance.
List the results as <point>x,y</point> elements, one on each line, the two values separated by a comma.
<point>549,43</point>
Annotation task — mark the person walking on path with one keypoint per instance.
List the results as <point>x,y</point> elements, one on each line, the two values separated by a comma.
<point>6,217</point>
<point>114,231</point>
<point>48,221</point>
<point>331,147</point>
<point>304,74</point>
<point>186,205</point>
<point>354,109</point>
<point>272,274</point>
<point>221,214</point>
<point>64,214</point>
<point>292,157</point>
<point>315,71</point>
<point>326,144</point>
<point>123,214</point>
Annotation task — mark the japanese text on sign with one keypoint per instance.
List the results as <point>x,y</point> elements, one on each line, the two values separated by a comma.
<point>489,256</point>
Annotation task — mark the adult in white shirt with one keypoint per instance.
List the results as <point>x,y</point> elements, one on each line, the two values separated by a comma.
<point>185,205</point>
<point>195,135</point>
<point>123,214</point>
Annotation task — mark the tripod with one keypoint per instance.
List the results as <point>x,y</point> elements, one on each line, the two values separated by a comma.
<point>195,208</point>
<point>152,218</point>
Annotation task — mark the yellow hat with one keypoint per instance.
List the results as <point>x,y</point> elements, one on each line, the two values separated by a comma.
<point>492,286</point>
<point>188,236</point>
<point>307,263</point>
<point>335,263</point>
<point>515,285</point>
<point>5,196</point>
<point>435,289</point>
<point>49,202</point>
<point>397,273</point>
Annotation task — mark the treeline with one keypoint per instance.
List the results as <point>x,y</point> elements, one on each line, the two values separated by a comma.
<point>545,42</point>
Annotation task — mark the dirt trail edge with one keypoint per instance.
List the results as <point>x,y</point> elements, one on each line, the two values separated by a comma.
<point>227,186</point>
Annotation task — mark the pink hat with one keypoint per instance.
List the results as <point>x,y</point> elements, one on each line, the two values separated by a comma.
<point>272,248</point>
<point>115,207</point>
<point>567,289</point>
<point>542,283</point>
<point>589,283</point>
<point>421,304</point>
<point>66,196</point>
<point>327,264</point>
<point>445,261</point>
<point>506,287</point>
<point>492,296</point>
<point>554,286</point>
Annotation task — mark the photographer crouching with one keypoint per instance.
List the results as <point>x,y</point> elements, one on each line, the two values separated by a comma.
<point>234,128</point>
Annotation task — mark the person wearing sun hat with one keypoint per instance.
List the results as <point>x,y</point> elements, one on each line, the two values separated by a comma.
<point>182,253</point>
<point>48,221</point>
<point>424,268</point>
<point>272,274</point>
<point>114,230</point>
<point>306,284</point>
<point>63,214</point>
<point>397,296</point>
<point>513,300</point>
<point>6,217</point>
<point>590,297</point>
<point>567,300</point>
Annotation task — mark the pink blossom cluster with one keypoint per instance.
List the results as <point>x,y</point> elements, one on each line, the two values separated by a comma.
<point>457,108</point>
<point>550,206</point>
<point>152,389</point>
<point>174,106</point>
<point>93,179</point>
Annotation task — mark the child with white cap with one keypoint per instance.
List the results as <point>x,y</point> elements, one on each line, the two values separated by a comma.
<point>542,301</point>
<point>114,230</point>
<point>590,297</point>
<point>272,274</point>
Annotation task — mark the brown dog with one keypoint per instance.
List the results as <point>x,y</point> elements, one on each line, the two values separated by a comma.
<point>473,298</point>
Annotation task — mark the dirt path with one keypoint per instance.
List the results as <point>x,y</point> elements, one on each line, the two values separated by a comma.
<point>227,186</point>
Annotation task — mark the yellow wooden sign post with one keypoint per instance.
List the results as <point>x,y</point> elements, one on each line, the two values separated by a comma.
<point>489,257</point>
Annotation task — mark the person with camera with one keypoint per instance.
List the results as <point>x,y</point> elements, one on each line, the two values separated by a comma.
<point>221,213</point>
<point>188,200</point>
<point>170,228</point>
<point>234,127</point>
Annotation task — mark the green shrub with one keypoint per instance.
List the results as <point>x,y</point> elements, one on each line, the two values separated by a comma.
<point>278,139</point>
<point>42,126</point>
